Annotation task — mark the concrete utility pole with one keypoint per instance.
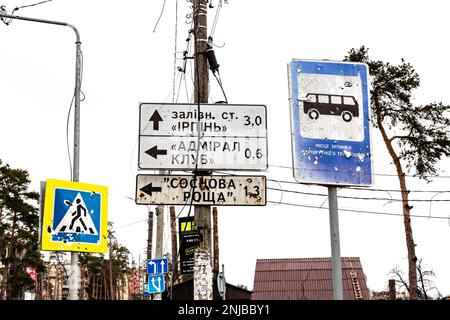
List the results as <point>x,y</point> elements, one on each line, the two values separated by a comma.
<point>173,232</point>
<point>203,289</point>
<point>159,238</point>
<point>74,276</point>
<point>149,240</point>
<point>150,234</point>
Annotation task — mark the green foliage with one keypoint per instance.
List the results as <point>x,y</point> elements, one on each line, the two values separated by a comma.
<point>421,132</point>
<point>19,224</point>
<point>98,268</point>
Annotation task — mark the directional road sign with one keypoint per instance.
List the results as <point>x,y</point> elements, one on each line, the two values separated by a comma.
<point>157,266</point>
<point>201,190</point>
<point>75,217</point>
<point>156,284</point>
<point>189,137</point>
<point>330,118</point>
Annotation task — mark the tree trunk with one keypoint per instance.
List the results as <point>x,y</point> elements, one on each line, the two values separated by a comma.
<point>47,286</point>
<point>111,283</point>
<point>422,282</point>
<point>4,279</point>
<point>93,286</point>
<point>100,286</point>
<point>412,259</point>
<point>81,293</point>
<point>5,293</point>
<point>105,284</point>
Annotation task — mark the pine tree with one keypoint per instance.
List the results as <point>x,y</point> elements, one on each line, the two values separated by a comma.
<point>415,136</point>
<point>19,224</point>
<point>105,276</point>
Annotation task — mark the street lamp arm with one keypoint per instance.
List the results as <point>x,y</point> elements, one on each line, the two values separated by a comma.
<point>44,21</point>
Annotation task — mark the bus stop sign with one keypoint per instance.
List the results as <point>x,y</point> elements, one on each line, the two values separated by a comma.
<point>330,122</point>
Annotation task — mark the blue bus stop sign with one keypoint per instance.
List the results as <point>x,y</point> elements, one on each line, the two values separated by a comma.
<point>330,122</point>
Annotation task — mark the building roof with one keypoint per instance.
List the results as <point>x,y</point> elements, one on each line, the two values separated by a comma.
<point>307,279</point>
<point>185,291</point>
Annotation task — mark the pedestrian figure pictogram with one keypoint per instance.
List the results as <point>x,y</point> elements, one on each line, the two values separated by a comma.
<point>77,218</point>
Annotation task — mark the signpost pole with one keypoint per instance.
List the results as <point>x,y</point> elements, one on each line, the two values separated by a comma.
<point>336,266</point>
<point>202,257</point>
<point>330,113</point>
<point>74,270</point>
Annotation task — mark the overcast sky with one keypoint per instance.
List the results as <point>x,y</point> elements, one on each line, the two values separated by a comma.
<point>126,63</point>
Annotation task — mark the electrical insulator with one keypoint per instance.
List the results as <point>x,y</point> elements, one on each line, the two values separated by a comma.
<point>212,61</point>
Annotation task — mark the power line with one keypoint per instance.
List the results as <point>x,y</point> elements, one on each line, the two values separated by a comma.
<point>364,189</point>
<point>219,81</point>
<point>175,50</point>
<point>162,11</point>
<point>352,188</point>
<point>216,18</point>
<point>70,110</point>
<point>129,224</point>
<point>29,5</point>
<point>358,211</point>
<point>357,198</point>
<point>377,174</point>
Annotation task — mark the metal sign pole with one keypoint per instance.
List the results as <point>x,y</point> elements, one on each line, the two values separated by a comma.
<point>74,267</point>
<point>75,272</point>
<point>335,244</point>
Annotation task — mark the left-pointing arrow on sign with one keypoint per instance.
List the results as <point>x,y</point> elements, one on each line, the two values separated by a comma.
<point>149,189</point>
<point>154,152</point>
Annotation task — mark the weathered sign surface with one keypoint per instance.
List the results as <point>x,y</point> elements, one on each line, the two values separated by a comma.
<point>201,190</point>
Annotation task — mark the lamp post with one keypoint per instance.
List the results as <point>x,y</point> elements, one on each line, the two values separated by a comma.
<point>74,269</point>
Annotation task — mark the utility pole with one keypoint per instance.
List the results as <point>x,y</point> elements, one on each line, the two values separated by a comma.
<point>392,291</point>
<point>203,289</point>
<point>159,238</point>
<point>150,234</point>
<point>173,231</point>
<point>149,240</point>
<point>216,242</point>
<point>74,276</point>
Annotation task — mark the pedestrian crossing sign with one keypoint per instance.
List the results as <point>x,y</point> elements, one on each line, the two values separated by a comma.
<point>75,217</point>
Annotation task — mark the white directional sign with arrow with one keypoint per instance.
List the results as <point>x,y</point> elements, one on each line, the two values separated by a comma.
<point>188,137</point>
<point>201,190</point>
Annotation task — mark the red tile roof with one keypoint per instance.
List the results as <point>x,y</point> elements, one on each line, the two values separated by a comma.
<point>306,279</point>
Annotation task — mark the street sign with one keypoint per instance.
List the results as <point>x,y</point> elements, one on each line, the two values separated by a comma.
<point>75,217</point>
<point>216,120</point>
<point>146,292</point>
<point>330,118</point>
<point>157,266</point>
<point>201,190</point>
<point>155,284</point>
<point>189,240</point>
<point>186,137</point>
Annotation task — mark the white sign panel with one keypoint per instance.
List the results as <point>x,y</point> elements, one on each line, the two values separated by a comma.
<point>209,153</point>
<point>189,137</point>
<point>217,120</point>
<point>201,190</point>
